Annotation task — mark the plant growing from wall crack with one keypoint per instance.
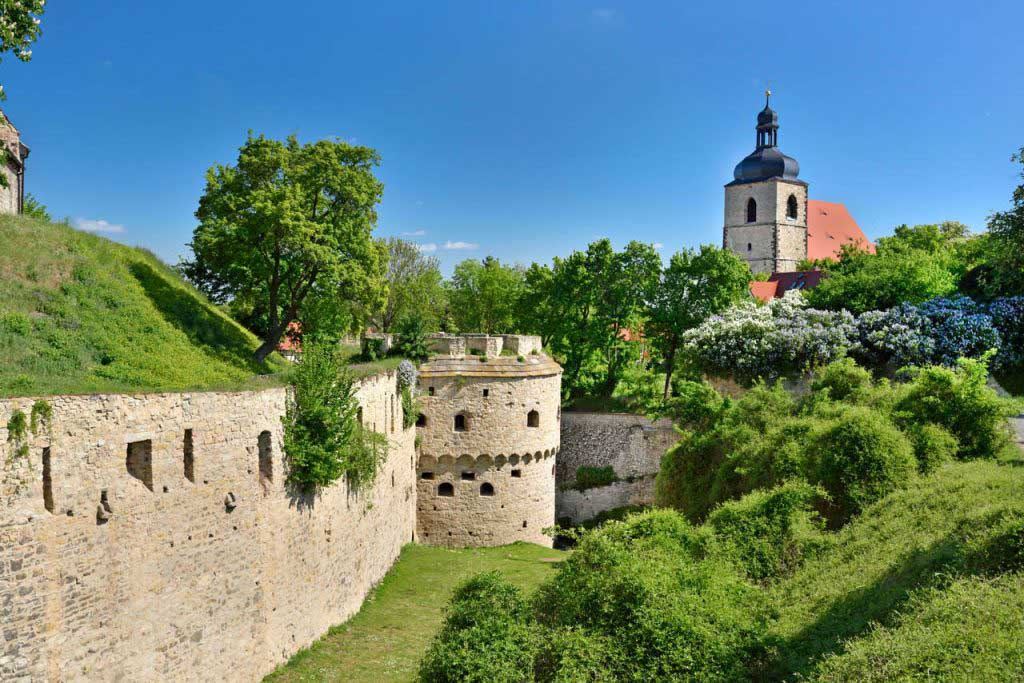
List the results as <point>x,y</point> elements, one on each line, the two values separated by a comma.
<point>17,434</point>
<point>323,437</point>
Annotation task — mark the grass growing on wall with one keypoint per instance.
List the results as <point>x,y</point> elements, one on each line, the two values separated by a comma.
<point>82,314</point>
<point>385,640</point>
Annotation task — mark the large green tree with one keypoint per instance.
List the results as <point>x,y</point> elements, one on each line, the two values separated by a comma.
<point>287,224</point>
<point>914,265</point>
<point>1000,271</point>
<point>693,287</point>
<point>415,286</point>
<point>483,295</point>
<point>582,306</point>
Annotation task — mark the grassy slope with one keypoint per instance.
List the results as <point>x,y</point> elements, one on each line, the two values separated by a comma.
<point>385,641</point>
<point>82,314</point>
<point>889,562</point>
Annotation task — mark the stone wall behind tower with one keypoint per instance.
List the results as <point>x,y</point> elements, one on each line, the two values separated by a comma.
<point>632,445</point>
<point>182,581</point>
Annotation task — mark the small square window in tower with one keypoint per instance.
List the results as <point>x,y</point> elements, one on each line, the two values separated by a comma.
<point>266,456</point>
<point>487,392</point>
<point>139,461</point>
<point>461,424</point>
<point>421,420</point>
<point>533,419</point>
<point>430,391</point>
<point>446,490</point>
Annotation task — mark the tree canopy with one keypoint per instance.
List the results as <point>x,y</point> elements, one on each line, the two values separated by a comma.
<point>694,286</point>
<point>414,285</point>
<point>287,226</point>
<point>483,296</point>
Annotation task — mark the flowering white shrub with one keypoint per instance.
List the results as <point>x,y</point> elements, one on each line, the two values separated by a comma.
<point>899,336</point>
<point>751,340</point>
<point>406,374</point>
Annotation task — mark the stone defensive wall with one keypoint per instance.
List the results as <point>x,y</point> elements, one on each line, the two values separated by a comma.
<point>631,444</point>
<point>489,433</point>
<point>152,537</point>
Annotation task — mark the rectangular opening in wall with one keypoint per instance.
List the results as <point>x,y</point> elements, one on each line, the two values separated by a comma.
<point>487,392</point>
<point>468,476</point>
<point>47,480</point>
<point>426,475</point>
<point>139,461</point>
<point>430,391</point>
<point>266,457</point>
<point>517,473</point>
<point>188,457</point>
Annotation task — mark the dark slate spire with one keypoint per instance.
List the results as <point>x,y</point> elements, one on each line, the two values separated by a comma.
<point>766,161</point>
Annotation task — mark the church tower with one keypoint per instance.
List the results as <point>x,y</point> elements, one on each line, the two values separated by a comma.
<point>766,205</point>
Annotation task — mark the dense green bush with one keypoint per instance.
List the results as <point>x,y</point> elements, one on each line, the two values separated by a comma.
<point>486,636</point>
<point>571,655</point>
<point>960,401</point>
<point>933,446</point>
<point>411,341</point>
<point>843,379</point>
<point>863,457</point>
<point>593,477</point>
<point>770,532</point>
<point>323,438</point>
<point>648,586</point>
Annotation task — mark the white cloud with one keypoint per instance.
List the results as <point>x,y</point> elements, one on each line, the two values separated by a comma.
<point>414,233</point>
<point>97,225</point>
<point>460,245</point>
<point>659,246</point>
<point>427,247</point>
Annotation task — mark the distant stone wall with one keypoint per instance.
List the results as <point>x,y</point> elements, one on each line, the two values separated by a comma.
<point>152,537</point>
<point>631,444</point>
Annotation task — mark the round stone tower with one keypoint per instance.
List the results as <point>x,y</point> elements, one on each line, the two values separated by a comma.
<point>488,432</point>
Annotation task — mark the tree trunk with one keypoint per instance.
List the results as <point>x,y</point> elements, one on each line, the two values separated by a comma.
<point>669,367</point>
<point>270,342</point>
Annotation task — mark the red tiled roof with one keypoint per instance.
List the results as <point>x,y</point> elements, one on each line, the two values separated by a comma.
<point>765,291</point>
<point>780,283</point>
<point>292,339</point>
<point>829,226</point>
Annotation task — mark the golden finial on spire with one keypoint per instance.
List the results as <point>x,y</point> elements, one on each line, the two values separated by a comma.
<point>767,96</point>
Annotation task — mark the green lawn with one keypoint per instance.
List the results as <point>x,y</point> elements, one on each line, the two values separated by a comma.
<point>385,641</point>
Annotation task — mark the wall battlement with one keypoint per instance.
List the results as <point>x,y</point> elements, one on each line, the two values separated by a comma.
<point>460,345</point>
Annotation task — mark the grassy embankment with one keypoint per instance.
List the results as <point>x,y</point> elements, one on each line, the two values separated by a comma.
<point>82,314</point>
<point>911,588</point>
<point>385,640</point>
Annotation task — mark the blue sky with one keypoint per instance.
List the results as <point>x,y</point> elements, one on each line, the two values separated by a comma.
<point>526,129</point>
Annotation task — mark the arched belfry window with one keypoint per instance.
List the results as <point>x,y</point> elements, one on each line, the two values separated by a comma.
<point>751,210</point>
<point>791,208</point>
